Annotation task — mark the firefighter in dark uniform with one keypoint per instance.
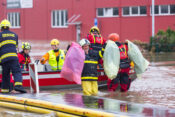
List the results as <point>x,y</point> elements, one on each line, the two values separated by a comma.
<point>124,67</point>
<point>95,38</point>
<point>9,58</point>
<point>96,41</point>
<point>89,74</point>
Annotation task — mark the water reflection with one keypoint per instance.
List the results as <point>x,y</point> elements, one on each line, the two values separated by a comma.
<point>116,106</point>
<point>105,104</point>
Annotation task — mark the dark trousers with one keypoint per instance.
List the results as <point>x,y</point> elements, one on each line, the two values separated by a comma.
<point>7,67</point>
<point>122,78</point>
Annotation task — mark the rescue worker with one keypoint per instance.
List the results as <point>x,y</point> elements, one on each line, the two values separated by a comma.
<point>55,57</point>
<point>124,68</point>
<point>9,58</point>
<point>89,74</point>
<point>23,56</point>
<point>97,42</point>
<point>95,38</point>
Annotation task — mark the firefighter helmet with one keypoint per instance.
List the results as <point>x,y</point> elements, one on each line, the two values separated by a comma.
<point>84,42</point>
<point>5,23</point>
<point>54,42</point>
<point>114,37</point>
<point>94,28</point>
<point>26,46</point>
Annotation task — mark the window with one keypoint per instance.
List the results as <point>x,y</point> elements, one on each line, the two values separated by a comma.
<point>134,11</point>
<point>156,9</point>
<point>126,11</point>
<point>172,9</point>
<point>164,9</point>
<point>107,12</point>
<point>59,18</point>
<point>143,10</point>
<point>100,12</point>
<point>115,11</point>
<point>14,19</point>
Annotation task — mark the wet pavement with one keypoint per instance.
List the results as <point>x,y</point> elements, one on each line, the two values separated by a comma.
<point>115,106</point>
<point>151,95</point>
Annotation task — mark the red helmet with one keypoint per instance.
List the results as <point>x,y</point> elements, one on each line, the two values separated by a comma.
<point>114,37</point>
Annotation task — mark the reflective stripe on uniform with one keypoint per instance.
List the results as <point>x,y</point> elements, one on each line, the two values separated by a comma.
<point>7,42</point>
<point>100,54</point>
<point>124,46</point>
<point>7,55</point>
<point>18,83</point>
<point>94,38</point>
<point>103,49</point>
<point>89,77</point>
<point>4,90</point>
<point>93,62</point>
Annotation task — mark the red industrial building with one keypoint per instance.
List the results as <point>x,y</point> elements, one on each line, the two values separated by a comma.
<point>39,21</point>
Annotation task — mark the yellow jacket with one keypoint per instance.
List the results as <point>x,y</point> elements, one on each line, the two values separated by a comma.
<point>51,57</point>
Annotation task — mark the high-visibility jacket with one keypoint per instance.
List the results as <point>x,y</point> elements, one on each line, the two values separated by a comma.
<point>56,62</point>
<point>96,41</point>
<point>89,72</point>
<point>24,60</point>
<point>8,44</point>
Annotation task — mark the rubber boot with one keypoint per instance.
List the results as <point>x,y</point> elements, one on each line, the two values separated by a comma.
<point>20,88</point>
<point>5,91</point>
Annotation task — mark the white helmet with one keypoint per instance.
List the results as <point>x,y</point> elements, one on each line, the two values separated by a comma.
<point>84,42</point>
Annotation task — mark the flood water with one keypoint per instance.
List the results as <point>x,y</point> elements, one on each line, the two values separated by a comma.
<point>151,95</point>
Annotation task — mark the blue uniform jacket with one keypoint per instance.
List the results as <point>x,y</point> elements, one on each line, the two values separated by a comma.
<point>8,44</point>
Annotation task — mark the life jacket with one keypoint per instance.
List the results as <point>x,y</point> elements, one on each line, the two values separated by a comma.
<point>56,65</point>
<point>124,61</point>
<point>24,61</point>
<point>96,41</point>
<point>123,53</point>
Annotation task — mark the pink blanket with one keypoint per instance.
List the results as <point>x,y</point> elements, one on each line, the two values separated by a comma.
<point>73,64</point>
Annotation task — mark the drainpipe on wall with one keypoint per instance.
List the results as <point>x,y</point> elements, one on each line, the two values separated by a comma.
<point>78,31</point>
<point>153,19</point>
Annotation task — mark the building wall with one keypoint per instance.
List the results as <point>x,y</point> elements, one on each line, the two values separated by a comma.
<point>3,9</point>
<point>36,21</point>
